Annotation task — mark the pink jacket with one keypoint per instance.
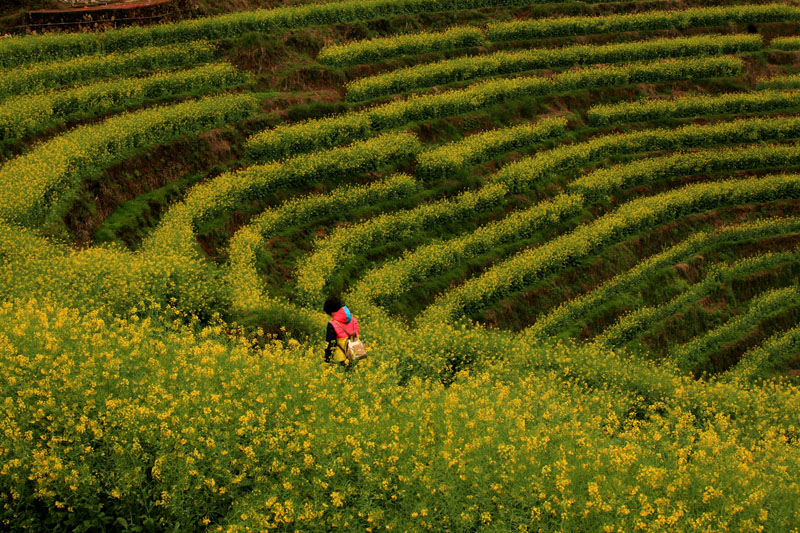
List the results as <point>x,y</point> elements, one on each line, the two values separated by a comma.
<point>344,324</point>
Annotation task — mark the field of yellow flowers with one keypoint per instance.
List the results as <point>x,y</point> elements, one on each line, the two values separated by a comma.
<point>569,231</point>
<point>128,422</point>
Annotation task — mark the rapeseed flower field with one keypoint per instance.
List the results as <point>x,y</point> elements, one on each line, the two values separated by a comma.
<point>569,231</point>
<point>132,421</point>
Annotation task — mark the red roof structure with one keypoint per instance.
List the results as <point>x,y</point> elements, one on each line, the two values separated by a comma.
<point>97,16</point>
<point>116,6</point>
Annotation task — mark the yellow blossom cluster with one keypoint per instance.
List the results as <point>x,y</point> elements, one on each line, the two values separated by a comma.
<point>163,425</point>
<point>374,50</point>
<point>695,105</point>
<point>24,115</point>
<point>48,75</point>
<point>561,321</point>
<point>506,63</point>
<point>679,19</point>
<point>34,185</point>
<point>634,323</point>
<point>159,390</point>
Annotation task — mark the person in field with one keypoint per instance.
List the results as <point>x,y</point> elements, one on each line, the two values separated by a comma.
<point>342,333</point>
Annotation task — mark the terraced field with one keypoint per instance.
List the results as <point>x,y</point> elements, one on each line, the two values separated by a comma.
<point>570,232</point>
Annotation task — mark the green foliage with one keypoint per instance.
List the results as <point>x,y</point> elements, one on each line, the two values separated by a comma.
<point>55,74</point>
<point>544,166</point>
<point>327,132</point>
<point>449,159</point>
<point>246,287</point>
<point>791,81</point>
<point>694,105</point>
<point>634,323</point>
<point>307,136</point>
<point>205,201</point>
<point>654,20</point>
<point>503,63</point>
<point>605,181</point>
<point>490,92</point>
<point>573,312</point>
<point>555,255</point>
<point>380,286</point>
<point>374,50</point>
<point>34,186</point>
<point>786,43</point>
<point>16,51</point>
<point>335,250</point>
<point>487,93</point>
<point>24,115</point>
<point>762,360</point>
<point>694,355</point>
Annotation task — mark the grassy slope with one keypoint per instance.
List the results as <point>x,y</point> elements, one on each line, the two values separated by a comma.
<point>126,423</point>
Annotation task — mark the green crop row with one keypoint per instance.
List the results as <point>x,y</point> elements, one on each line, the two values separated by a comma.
<point>556,321</point>
<point>790,81</point>
<point>472,149</point>
<point>598,366</point>
<point>103,279</point>
<point>534,265</point>
<point>323,133</point>
<point>786,43</point>
<point>392,279</point>
<point>374,50</point>
<point>368,50</point>
<point>176,231</point>
<point>504,63</point>
<point>333,251</point>
<point>544,166</point>
<point>247,289</point>
<point>29,114</point>
<point>495,91</point>
<point>30,49</point>
<point>693,105</point>
<point>776,351</point>
<point>679,19</point>
<point>547,163</point>
<point>694,356</point>
<point>43,76</point>
<point>452,157</point>
<point>310,135</point>
<point>605,181</point>
<point>33,184</point>
<point>634,323</point>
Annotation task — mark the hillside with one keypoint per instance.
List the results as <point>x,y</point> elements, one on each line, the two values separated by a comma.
<point>570,232</point>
